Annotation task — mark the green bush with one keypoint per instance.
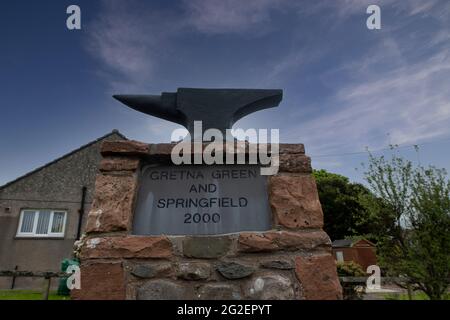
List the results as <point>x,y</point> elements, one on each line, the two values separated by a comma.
<point>351,290</point>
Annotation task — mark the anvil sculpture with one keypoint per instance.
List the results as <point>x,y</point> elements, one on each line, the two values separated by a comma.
<point>216,108</point>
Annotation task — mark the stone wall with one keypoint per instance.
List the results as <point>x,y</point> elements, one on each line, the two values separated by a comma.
<point>291,261</point>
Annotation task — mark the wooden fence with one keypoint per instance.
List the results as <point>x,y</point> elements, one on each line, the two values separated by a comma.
<point>47,275</point>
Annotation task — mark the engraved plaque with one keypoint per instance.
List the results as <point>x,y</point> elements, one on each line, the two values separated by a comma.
<point>201,200</point>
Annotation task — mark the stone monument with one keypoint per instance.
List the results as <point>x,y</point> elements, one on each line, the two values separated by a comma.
<point>162,231</point>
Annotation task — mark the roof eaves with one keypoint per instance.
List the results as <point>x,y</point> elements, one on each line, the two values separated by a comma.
<point>115,131</point>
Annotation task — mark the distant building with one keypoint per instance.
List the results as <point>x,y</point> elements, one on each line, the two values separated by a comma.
<point>43,212</point>
<point>362,252</point>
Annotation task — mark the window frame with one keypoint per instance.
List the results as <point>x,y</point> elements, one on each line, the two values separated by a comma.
<point>49,234</point>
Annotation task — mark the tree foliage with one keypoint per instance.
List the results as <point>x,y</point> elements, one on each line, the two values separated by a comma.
<point>343,205</point>
<point>414,241</point>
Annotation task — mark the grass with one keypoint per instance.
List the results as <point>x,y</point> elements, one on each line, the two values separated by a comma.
<point>415,296</point>
<point>28,295</point>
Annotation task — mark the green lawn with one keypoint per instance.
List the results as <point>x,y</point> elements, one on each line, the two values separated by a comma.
<point>415,296</point>
<point>28,295</point>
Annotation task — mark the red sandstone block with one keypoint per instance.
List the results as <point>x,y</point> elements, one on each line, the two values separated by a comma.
<point>126,148</point>
<point>281,240</point>
<point>127,247</point>
<point>112,208</point>
<point>295,163</point>
<point>101,281</point>
<point>119,164</point>
<point>295,202</point>
<point>318,277</point>
<point>292,148</point>
<point>255,242</point>
<point>300,240</point>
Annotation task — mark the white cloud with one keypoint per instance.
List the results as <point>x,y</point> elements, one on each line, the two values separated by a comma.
<point>384,94</point>
<point>128,39</point>
<point>409,103</point>
<point>396,93</point>
<point>230,16</point>
<point>347,8</point>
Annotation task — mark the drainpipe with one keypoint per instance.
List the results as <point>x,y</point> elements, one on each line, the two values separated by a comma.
<point>13,282</point>
<point>81,211</point>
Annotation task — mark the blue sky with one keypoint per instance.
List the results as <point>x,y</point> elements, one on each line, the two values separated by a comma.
<point>345,87</point>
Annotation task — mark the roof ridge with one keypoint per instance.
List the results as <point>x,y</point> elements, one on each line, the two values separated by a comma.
<point>115,131</point>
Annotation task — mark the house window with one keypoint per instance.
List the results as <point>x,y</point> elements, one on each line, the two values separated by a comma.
<point>339,256</point>
<point>42,223</point>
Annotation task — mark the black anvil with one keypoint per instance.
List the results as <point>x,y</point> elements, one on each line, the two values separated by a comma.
<point>216,108</point>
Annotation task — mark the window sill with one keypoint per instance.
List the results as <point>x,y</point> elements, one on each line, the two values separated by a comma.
<point>38,238</point>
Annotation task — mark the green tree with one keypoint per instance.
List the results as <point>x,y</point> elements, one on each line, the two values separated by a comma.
<point>415,242</point>
<point>343,205</point>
